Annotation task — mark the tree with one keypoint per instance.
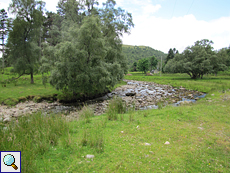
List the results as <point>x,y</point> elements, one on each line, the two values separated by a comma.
<point>24,38</point>
<point>171,54</point>
<point>152,62</point>
<point>89,57</point>
<point>134,67</point>
<point>224,55</point>
<point>3,32</point>
<point>52,28</point>
<point>143,65</point>
<point>196,60</point>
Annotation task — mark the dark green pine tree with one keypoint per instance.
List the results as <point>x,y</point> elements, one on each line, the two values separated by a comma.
<point>3,33</point>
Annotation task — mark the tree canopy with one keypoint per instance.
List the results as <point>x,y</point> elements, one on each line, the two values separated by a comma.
<point>143,65</point>
<point>134,53</point>
<point>23,40</point>
<point>196,60</point>
<point>88,57</point>
<point>152,62</point>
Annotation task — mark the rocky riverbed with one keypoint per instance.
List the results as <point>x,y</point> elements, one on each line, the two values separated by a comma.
<point>144,95</point>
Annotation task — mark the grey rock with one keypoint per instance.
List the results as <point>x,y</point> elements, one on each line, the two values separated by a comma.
<point>89,156</point>
<point>130,94</point>
<point>7,119</point>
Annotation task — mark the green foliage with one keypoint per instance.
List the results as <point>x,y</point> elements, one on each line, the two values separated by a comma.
<point>196,61</point>
<point>143,65</point>
<point>94,138</point>
<point>23,88</point>
<point>24,51</point>
<point>3,34</point>
<point>115,107</point>
<point>37,99</point>
<point>193,131</point>
<point>152,62</point>
<point>134,53</point>
<point>11,101</point>
<point>224,55</point>
<point>134,67</point>
<point>207,84</point>
<point>86,113</point>
<point>171,54</point>
<point>35,133</point>
<point>88,59</point>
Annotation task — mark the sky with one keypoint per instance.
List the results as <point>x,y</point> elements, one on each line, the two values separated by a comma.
<point>165,24</point>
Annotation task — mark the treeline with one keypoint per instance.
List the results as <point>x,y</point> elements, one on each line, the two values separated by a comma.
<point>198,60</point>
<point>78,49</point>
<point>145,64</point>
<point>135,53</point>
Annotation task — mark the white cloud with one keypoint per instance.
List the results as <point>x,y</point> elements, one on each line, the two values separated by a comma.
<point>51,5</point>
<point>150,9</point>
<point>180,32</point>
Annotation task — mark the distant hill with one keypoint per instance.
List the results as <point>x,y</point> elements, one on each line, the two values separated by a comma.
<point>134,53</point>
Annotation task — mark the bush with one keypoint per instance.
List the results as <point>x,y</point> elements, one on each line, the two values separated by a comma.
<point>65,97</point>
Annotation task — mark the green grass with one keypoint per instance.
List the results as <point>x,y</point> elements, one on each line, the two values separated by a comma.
<point>191,149</point>
<point>12,94</point>
<point>207,84</point>
<point>199,135</point>
<point>33,136</point>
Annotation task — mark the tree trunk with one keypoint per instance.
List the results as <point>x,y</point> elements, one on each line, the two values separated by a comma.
<point>31,77</point>
<point>194,76</point>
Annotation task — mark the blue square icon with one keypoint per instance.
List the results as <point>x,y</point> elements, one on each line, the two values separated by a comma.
<point>10,161</point>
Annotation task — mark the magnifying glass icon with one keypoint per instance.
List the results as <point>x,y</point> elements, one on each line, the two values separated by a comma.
<point>9,160</point>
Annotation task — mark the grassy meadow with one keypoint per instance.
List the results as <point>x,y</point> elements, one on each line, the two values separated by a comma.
<point>207,84</point>
<point>130,141</point>
<point>15,91</point>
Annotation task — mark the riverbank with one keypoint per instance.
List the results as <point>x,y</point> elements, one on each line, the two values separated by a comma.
<point>188,138</point>
<point>141,95</point>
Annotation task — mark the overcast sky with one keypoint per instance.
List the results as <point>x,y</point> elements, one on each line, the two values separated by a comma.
<point>165,24</point>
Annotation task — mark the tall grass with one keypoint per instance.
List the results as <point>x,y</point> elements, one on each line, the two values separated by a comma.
<point>86,113</point>
<point>116,106</point>
<point>33,136</point>
<point>93,137</point>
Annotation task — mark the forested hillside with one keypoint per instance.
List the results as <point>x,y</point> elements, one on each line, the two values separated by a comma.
<point>134,53</point>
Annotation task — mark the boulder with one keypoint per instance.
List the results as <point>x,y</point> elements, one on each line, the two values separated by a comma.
<point>131,94</point>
